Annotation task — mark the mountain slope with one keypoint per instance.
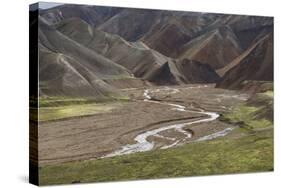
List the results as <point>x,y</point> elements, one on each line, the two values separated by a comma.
<point>167,38</point>
<point>138,22</point>
<point>248,28</point>
<point>164,31</point>
<point>216,48</point>
<point>117,44</point>
<point>255,64</point>
<point>183,72</point>
<point>173,30</point>
<point>135,56</point>
<point>94,15</point>
<point>61,75</point>
<point>197,72</point>
<point>69,68</point>
<point>236,61</point>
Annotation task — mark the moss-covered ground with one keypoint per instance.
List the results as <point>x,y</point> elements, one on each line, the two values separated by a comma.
<point>55,108</point>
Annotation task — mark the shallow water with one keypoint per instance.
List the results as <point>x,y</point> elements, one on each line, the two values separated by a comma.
<point>142,144</point>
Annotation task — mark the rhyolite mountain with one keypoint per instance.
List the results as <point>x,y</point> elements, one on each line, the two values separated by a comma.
<point>95,51</point>
<point>86,62</point>
<point>94,15</point>
<point>183,72</point>
<point>216,48</point>
<point>69,68</point>
<point>155,27</point>
<point>256,63</point>
<point>137,57</point>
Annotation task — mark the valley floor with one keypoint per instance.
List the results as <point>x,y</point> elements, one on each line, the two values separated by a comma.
<point>83,149</point>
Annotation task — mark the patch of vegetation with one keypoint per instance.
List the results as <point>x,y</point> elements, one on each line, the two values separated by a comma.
<point>60,107</point>
<point>258,86</point>
<point>56,101</point>
<point>61,112</point>
<point>263,98</point>
<point>250,153</point>
<point>119,98</point>
<point>268,94</point>
<point>62,101</point>
<point>245,116</point>
<point>254,114</point>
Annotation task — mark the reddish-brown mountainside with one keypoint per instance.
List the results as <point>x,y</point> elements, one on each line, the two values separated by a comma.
<point>255,64</point>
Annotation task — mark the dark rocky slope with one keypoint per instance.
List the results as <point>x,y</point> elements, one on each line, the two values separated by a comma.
<point>183,72</point>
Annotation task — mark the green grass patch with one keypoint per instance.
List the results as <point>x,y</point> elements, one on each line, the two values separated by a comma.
<point>60,107</point>
<point>250,153</point>
<point>56,101</point>
<point>62,101</point>
<point>246,117</point>
<point>61,112</point>
<point>251,115</point>
<point>268,94</point>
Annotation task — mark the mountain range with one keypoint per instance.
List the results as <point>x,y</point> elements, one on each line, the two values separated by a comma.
<point>93,51</point>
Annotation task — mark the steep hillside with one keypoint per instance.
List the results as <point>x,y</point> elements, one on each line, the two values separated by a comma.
<point>163,31</point>
<point>216,48</point>
<point>255,64</point>
<point>69,68</point>
<point>183,72</point>
<point>135,56</point>
<point>61,75</point>
<point>196,72</point>
<point>237,60</point>
<point>144,44</point>
<point>94,15</point>
<point>167,74</point>
<point>138,22</point>
<point>167,38</point>
<point>173,30</point>
<point>248,28</point>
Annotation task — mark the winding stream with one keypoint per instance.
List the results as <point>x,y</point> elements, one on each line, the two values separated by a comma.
<point>142,144</point>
